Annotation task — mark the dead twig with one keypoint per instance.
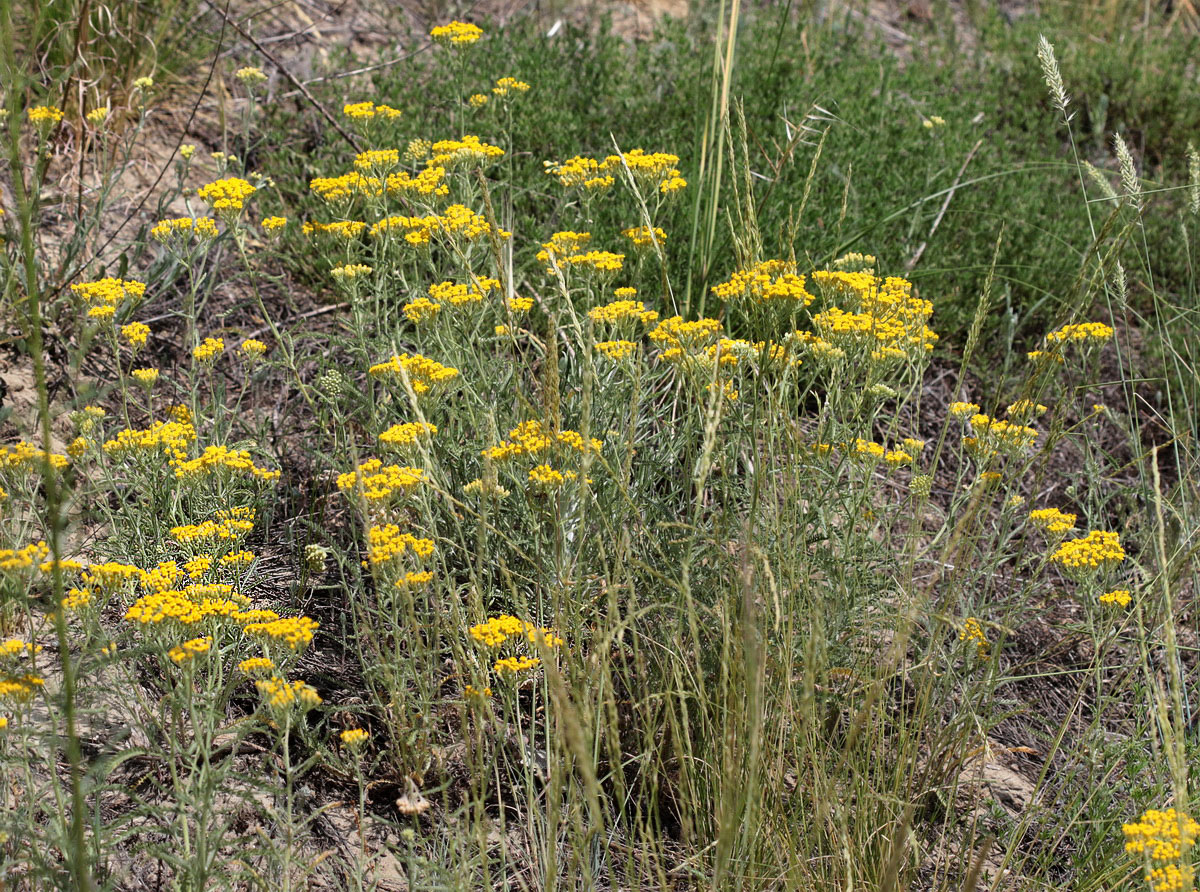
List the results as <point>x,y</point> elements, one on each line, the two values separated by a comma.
<point>292,79</point>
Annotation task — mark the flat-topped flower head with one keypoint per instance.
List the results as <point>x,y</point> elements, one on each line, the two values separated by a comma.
<point>1096,550</point>
<point>250,75</point>
<point>227,196</point>
<point>456,34</point>
<point>1053,521</point>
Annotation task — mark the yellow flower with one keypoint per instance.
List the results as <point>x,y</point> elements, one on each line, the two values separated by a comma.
<point>1082,332</point>
<point>1164,839</point>
<point>186,151</point>
<point>972,632</point>
<point>353,738</point>
<point>377,158</point>
<point>250,76</point>
<point>456,33</point>
<point>380,481</point>
<point>135,334</point>
<point>644,236</point>
<point>183,653</point>
<point>45,114</point>
<point>1052,520</point>
<point>144,83</point>
<point>477,100</point>
<point>616,350</point>
<point>208,351</point>
<point>515,664</point>
<point>253,349</point>
<point>386,543</point>
<point>274,224</point>
<point>1121,597</point>
<point>256,666</point>
<point>400,436</point>
<point>1097,549</point>
<point>365,111</point>
<point>294,631</point>
<point>97,115</point>
<point>500,628</point>
<point>279,694</point>
<point>507,85</point>
<point>228,195</point>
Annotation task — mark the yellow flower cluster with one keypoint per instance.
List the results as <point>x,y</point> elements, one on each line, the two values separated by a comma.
<point>341,229</point>
<point>675,332</point>
<point>531,438</point>
<point>1097,549</point>
<point>1052,520</point>
<point>350,271</point>
<point>644,236</point>
<point>972,633</point>
<point>548,478</point>
<point>20,688</point>
<point>1121,597</point>
<point>622,310</point>
<point>386,543</point>
<point>111,574</point>
<point>1164,839</point>
<point>15,648</point>
<point>183,653</point>
<point>401,436</point>
<point>616,350</point>
<point>104,296</point>
<point>765,282</point>
<point>334,190</point>
<point>1096,332</point>
<point>458,294</point>
<point>227,195</point>
<point>253,349</point>
<point>995,433</point>
<point>353,738</point>
<point>191,605</point>
<point>369,110</point>
<point>430,181</point>
<point>515,664</point>
<point>27,457</point>
<point>456,33</point>
<point>377,158</point>
<point>580,173</point>
<point>15,559</point>
<point>208,350</point>
<point>256,665</point>
<point>507,85</point>
<point>883,316</point>
<point>44,114</point>
<point>221,457</point>
<point>655,170</point>
<point>877,452</point>
<point>421,309</point>
<point>282,695</point>
<point>424,374</point>
<point>183,228</point>
<point>172,437</point>
<point>469,151</point>
<point>380,481</point>
<point>273,224</point>
<point>135,334</point>
<point>962,410</point>
<point>231,524</point>
<point>294,631</point>
<point>500,628</point>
